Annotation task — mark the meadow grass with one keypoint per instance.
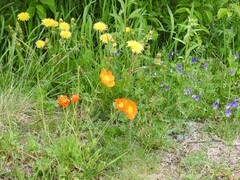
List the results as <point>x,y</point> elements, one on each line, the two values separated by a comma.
<point>163,82</point>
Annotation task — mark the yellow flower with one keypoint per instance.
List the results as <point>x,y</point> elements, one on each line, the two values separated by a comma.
<point>127,29</point>
<point>40,44</point>
<point>65,34</point>
<point>100,26</point>
<point>49,22</point>
<point>64,26</point>
<point>135,46</point>
<point>106,38</point>
<point>54,24</point>
<point>24,16</point>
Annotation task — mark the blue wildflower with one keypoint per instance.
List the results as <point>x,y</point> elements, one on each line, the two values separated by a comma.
<point>196,97</point>
<point>194,60</point>
<point>234,103</point>
<point>179,68</point>
<point>215,105</point>
<point>231,72</point>
<point>167,88</point>
<point>228,112</point>
<point>188,91</point>
<point>229,105</point>
<point>205,66</point>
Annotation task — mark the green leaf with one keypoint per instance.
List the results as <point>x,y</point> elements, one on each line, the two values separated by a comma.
<point>41,12</point>
<point>50,4</point>
<point>199,15</point>
<point>223,12</point>
<point>209,15</point>
<point>236,8</point>
<point>172,21</point>
<point>181,10</point>
<point>203,28</point>
<point>179,40</point>
<point>31,11</point>
<point>135,14</point>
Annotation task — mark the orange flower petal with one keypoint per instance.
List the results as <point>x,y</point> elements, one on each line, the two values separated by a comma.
<point>120,103</point>
<point>107,78</point>
<point>63,101</point>
<point>75,98</point>
<point>130,109</point>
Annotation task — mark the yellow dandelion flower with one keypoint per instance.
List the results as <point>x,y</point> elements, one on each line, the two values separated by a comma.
<point>106,38</point>
<point>127,29</point>
<point>54,24</point>
<point>24,16</point>
<point>40,44</point>
<point>135,46</point>
<point>100,26</point>
<point>64,26</point>
<point>65,34</point>
<point>49,22</point>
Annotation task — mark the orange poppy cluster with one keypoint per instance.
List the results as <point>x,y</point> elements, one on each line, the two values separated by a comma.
<point>64,101</point>
<point>129,107</point>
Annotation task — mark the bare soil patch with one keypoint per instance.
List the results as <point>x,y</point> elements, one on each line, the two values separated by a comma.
<point>222,159</point>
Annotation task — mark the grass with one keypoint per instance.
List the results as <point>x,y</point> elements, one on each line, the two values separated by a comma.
<point>179,76</point>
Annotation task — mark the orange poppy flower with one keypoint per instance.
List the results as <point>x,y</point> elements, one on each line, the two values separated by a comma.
<point>63,101</point>
<point>107,78</point>
<point>130,109</point>
<point>75,98</point>
<point>120,103</point>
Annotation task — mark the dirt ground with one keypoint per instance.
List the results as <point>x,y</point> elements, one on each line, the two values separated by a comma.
<point>222,160</point>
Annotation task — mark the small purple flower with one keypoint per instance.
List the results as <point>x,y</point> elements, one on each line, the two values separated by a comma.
<point>215,105</point>
<point>229,105</point>
<point>234,103</point>
<point>196,97</point>
<point>167,88</point>
<point>231,72</point>
<point>205,66</point>
<point>194,60</point>
<point>228,112</point>
<point>236,56</point>
<point>179,68</point>
<point>188,91</point>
